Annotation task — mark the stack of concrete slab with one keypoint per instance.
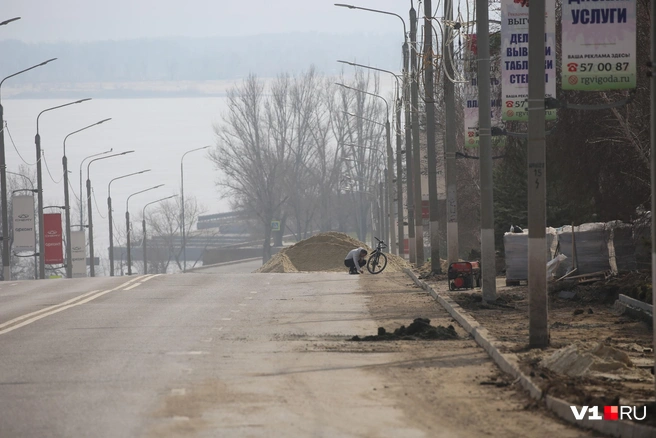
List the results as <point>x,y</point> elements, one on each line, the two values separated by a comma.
<point>623,250</point>
<point>516,252</point>
<point>590,251</point>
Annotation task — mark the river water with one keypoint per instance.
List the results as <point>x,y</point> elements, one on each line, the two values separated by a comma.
<point>159,130</point>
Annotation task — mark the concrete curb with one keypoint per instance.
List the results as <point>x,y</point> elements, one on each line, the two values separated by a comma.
<point>509,363</point>
<point>638,304</point>
<point>234,262</point>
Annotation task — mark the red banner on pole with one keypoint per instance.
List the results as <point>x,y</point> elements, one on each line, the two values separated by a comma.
<point>52,227</point>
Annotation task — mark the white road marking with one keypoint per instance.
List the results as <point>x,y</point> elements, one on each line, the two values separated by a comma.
<point>206,340</point>
<point>73,302</point>
<point>13,284</point>
<point>180,418</point>
<point>226,319</point>
<point>253,292</point>
<point>235,311</point>
<point>150,277</point>
<point>243,305</point>
<point>217,328</point>
<point>178,391</point>
<point>248,298</point>
<point>47,309</point>
<point>132,287</point>
<point>186,353</point>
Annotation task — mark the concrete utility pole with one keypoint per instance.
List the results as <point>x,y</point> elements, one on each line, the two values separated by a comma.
<point>450,140</point>
<point>399,177</point>
<point>430,138</point>
<point>653,164</point>
<point>538,330</point>
<point>485,145</point>
<point>409,177</point>
<point>416,151</point>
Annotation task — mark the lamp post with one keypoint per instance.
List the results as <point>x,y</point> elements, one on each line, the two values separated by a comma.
<point>410,186</point>
<point>111,222</point>
<point>390,166</point>
<point>6,271</point>
<point>399,153</point>
<point>39,183</point>
<point>81,164</point>
<point>127,223</point>
<point>69,251</point>
<point>184,237</point>
<point>36,254</point>
<point>92,269</point>
<point>9,21</point>
<point>143,224</point>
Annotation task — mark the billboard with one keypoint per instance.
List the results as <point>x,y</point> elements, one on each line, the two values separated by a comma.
<point>52,229</point>
<point>599,45</point>
<point>514,59</point>
<point>471,108</point>
<point>23,223</point>
<point>78,254</point>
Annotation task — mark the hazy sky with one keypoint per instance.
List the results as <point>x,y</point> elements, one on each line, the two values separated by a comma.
<point>92,20</point>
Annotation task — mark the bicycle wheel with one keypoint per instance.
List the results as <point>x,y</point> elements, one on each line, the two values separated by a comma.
<point>377,263</point>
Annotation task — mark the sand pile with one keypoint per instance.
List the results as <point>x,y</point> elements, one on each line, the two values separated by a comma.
<point>323,252</point>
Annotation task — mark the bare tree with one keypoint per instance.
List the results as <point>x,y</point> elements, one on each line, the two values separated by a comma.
<point>251,154</point>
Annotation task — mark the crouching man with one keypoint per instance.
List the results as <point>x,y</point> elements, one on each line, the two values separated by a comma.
<point>355,260</point>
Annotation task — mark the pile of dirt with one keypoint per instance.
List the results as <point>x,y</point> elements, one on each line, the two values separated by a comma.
<point>425,271</point>
<point>323,252</point>
<point>419,329</point>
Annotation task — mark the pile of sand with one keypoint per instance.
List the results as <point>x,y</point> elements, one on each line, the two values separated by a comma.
<point>323,252</point>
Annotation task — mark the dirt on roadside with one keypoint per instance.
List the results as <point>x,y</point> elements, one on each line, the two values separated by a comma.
<point>597,357</point>
<point>450,384</point>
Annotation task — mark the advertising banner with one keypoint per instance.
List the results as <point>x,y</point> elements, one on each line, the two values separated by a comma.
<point>514,58</point>
<point>52,228</point>
<point>78,254</point>
<point>471,92</point>
<point>23,217</point>
<point>471,108</point>
<point>599,45</point>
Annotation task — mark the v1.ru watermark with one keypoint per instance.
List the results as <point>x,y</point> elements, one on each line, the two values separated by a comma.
<point>610,413</point>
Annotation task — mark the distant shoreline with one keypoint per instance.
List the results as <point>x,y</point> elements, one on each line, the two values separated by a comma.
<point>121,90</point>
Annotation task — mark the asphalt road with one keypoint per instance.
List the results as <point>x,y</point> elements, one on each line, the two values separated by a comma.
<point>202,354</point>
<point>222,352</point>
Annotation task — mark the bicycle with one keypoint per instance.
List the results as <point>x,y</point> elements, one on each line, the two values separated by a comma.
<point>378,260</point>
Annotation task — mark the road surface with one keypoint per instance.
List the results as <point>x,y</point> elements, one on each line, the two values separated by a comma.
<point>228,354</point>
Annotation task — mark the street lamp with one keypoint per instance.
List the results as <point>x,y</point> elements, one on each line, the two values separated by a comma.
<point>111,222</point>
<point>184,237</point>
<point>92,269</point>
<point>143,224</point>
<point>69,250</point>
<point>399,147</point>
<point>36,254</point>
<point>6,271</point>
<point>9,21</point>
<point>342,5</point>
<point>390,170</point>
<point>81,164</point>
<point>39,183</point>
<point>413,239</point>
<point>127,223</point>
